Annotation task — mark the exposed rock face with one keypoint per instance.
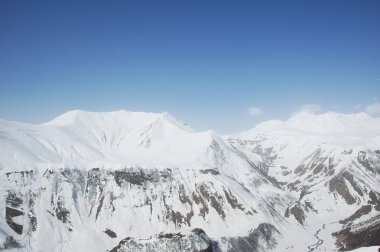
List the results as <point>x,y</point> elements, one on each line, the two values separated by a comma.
<point>368,161</point>
<point>263,238</point>
<point>113,200</point>
<point>338,185</point>
<point>20,203</point>
<point>11,213</point>
<point>195,241</point>
<point>110,233</point>
<point>297,212</point>
<point>100,194</point>
<point>363,234</point>
<point>364,210</point>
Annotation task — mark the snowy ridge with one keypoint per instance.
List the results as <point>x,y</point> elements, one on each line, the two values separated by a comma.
<point>122,137</point>
<point>330,123</point>
<point>333,128</point>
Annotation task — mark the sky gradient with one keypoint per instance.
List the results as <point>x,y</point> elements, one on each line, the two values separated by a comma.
<point>222,65</point>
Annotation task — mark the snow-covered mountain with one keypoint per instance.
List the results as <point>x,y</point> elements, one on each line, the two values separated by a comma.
<point>129,181</point>
<point>331,164</point>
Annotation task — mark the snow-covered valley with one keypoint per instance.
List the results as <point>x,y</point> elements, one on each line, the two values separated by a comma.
<point>131,181</point>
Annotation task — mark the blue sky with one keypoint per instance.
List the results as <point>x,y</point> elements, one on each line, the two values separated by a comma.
<point>206,62</point>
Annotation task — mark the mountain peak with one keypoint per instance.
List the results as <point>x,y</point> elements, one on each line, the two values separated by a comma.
<point>117,137</point>
<point>81,116</point>
<point>115,119</point>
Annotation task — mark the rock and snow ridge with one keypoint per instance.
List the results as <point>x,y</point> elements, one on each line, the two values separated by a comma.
<point>115,137</point>
<point>143,181</point>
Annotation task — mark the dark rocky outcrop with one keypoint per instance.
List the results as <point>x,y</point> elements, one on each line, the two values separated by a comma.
<point>366,209</point>
<point>210,171</point>
<point>365,162</point>
<point>62,213</point>
<point>216,200</point>
<point>297,212</point>
<point>10,213</point>
<point>232,200</point>
<point>364,234</point>
<point>260,239</point>
<point>195,241</point>
<point>110,233</point>
<point>339,186</point>
<point>10,243</point>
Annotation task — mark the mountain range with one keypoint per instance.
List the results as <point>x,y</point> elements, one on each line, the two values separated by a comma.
<point>132,181</point>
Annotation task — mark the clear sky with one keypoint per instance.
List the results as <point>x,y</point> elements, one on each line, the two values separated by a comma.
<point>222,65</point>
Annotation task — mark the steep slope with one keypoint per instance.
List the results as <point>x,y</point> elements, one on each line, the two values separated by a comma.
<point>93,181</point>
<point>331,163</point>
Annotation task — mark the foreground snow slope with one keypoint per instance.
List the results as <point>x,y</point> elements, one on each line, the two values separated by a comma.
<point>131,181</point>
<point>367,249</point>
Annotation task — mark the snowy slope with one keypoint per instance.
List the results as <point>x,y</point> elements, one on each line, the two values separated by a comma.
<point>367,249</point>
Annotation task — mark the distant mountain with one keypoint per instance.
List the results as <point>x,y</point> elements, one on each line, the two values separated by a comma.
<point>331,163</point>
<point>131,181</point>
